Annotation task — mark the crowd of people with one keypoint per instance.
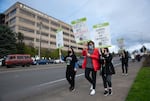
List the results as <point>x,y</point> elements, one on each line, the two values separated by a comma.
<point>94,60</point>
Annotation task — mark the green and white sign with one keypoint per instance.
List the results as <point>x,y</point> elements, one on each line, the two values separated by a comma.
<point>80,30</point>
<point>101,35</point>
<point>59,39</point>
<point>120,43</point>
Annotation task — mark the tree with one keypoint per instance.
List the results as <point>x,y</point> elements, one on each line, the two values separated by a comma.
<point>20,43</point>
<point>7,41</point>
<point>55,54</point>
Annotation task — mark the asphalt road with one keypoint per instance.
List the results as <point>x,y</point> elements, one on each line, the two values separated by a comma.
<point>18,83</point>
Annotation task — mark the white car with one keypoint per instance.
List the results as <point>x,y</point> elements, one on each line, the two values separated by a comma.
<point>58,61</point>
<point>1,61</point>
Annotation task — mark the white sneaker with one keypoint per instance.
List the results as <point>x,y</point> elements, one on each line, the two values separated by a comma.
<point>92,92</point>
<point>91,88</point>
<point>126,74</point>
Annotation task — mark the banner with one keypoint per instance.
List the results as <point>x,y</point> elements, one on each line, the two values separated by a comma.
<point>59,39</point>
<point>80,30</point>
<point>120,43</point>
<point>101,35</point>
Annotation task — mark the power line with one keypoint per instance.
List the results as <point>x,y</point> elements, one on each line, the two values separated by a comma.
<point>77,10</point>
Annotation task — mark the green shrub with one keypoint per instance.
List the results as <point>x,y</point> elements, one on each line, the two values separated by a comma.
<point>146,62</point>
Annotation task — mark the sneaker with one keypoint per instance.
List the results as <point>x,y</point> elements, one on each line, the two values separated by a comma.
<point>92,92</point>
<point>126,74</point>
<point>110,92</point>
<point>91,88</point>
<point>106,93</point>
<point>123,74</point>
<point>71,89</point>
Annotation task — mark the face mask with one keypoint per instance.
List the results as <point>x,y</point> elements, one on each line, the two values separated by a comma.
<point>69,52</point>
<point>91,47</point>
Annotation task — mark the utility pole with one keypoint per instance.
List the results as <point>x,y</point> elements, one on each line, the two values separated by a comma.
<point>40,29</point>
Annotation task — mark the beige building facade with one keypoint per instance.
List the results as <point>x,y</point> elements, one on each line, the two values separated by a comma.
<point>33,23</point>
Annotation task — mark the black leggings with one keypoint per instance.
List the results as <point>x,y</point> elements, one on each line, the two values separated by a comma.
<point>124,67</point>
<point>89,77</point>
<point>106,80</point>
<point>70,76</point>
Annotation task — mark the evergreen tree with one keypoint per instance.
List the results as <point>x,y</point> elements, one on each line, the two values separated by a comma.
<point>7,41</point>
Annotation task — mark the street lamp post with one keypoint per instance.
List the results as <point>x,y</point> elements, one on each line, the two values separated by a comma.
<point>39,53</point>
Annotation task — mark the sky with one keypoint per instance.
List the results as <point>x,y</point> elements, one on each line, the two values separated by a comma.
<point>129,19</point>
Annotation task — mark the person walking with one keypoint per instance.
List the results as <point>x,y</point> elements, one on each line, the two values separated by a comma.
<point>91,64</point>
<point>71,70</point>
<point>124,61</point>
<point>107,70</point>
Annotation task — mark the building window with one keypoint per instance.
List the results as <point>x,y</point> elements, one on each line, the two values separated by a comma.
<point>64,27</point>
<point>43,26</point>
<point>12,28</point>
<point>13,12</point>
<point>26,29</point>
<point>43,19</point>
<point>27,13</point>
<point>43,41</point>
<point>26,21</point>
<point>53,29</point>
<point>66,39</point>
<point>66,45</point>
<point>28,38</point>
<point>73,41</point>
<point>55,24</point>
<point>53,43</point>
<point>72,36</point>
<point>80,48</point>
<point>13,20</point>
<point>71,30</point>
<point>53,36</point>
<point>67,34</point>
<point>45,34</point>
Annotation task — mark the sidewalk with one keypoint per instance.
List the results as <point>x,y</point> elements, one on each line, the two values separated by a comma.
<point>121,85</point>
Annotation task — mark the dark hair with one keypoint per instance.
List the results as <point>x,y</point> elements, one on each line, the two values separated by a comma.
<point>71,50</point>
<point>92,43</point>
<point>106,49</point>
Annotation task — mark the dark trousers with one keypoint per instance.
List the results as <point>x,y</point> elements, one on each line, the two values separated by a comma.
<point>124,67</point>
<point>106,80</point>
<point>70,76</point>
<point>90,75</point>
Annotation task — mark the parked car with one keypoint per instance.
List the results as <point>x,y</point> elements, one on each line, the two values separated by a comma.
<point>1,61</point>
<point>18,59</point>
<point>51,61</point>
<point>58,61</point>
<point>42,61</point>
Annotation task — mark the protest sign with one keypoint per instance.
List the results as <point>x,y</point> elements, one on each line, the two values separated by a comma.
<point>101,35</point>
<point>80,30</point>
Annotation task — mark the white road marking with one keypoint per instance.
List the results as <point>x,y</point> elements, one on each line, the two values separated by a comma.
<point>56,81</point>
<point>63,79</point>
<point>29,69</point>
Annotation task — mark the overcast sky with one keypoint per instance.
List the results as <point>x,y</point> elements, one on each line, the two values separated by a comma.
<point>129,19</point>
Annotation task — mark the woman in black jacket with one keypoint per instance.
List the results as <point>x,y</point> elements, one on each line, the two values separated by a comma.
<point>124,61</point>
<point>107,71</point>
<point>71,70</point>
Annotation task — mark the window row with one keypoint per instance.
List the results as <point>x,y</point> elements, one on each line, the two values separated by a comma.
<point>22,11</point>
<point>26,29</point>
<point>43,19</point>
<point>26,21</point>
<point>13,12</point>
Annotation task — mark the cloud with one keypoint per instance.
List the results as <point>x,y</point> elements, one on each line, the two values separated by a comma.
<point>129,19</point>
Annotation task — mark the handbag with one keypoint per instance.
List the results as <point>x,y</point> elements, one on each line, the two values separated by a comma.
<point>112,69</point>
